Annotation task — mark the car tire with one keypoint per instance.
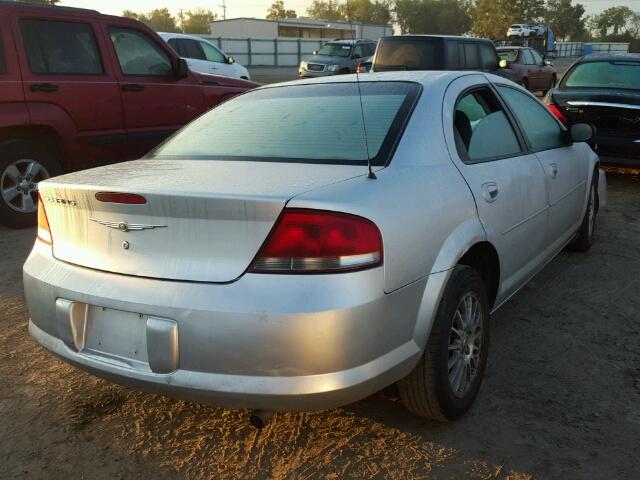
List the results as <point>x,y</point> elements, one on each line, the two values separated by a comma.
<point>584,237</point>
<point>432,390</point>
<point>22,165</point>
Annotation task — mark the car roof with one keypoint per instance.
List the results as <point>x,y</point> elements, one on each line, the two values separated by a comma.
<point>27,5</point>
<point>180,35</point>
<point>511,47</point>
<point>596,57</point>
<point>351,41</point>
<point>448,37</point>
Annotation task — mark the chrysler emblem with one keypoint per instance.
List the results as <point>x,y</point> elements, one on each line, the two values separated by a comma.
<point>126,227</point>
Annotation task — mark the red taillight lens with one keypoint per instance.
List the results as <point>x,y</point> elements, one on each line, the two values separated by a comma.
<point>126,198</point>
<point>309,241</point>
<point>44,232</point>
<point>553,108</point>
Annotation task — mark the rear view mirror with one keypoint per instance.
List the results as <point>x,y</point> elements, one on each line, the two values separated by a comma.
<point>503,63</point>
<point>582,132</point>
<point>182,69</point>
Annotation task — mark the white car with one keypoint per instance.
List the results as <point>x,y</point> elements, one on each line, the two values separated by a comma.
<point>204,57</point>
<point>521,30</point>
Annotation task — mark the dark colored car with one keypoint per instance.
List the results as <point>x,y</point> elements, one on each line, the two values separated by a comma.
<point>437,52</point>
<point>529,68</point>
<point>603,90</point>
<point>80,89</point>
<point>336,58</point>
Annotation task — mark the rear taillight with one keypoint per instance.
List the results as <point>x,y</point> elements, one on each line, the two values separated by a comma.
<point>553,108</point>
<point>44,232</point>
<point>313,241</point>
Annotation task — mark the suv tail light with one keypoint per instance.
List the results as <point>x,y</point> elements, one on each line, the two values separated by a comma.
<point>314,241</point>
<point>44,232</point>
<point>553,108</point>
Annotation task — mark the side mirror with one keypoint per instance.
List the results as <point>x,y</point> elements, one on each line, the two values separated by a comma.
<point>582,132</point>
<point>315,52</point>
<point>181,69</point>
<point>503,63</point>
<point>231,60</point>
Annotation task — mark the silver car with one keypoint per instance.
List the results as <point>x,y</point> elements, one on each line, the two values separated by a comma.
<point>266,258</point>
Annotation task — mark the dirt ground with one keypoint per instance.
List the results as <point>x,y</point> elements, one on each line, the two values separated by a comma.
<point>561,397</point>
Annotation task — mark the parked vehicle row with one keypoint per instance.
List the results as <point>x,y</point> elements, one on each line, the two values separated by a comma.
<point>80,89</point>
<point>524,30</point>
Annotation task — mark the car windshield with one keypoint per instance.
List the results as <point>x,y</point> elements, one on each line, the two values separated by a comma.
<point>320,123</point>
<point>508,55</point>
<point>409,54</point>
<point>335,50</point>
<point>605,74</point>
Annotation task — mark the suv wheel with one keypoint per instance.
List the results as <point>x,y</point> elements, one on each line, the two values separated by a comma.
<point>22,165</point>
<point>447,378</point>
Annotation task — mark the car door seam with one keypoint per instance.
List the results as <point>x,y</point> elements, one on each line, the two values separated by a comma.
<point>582,183</point>
<point>522,222</point>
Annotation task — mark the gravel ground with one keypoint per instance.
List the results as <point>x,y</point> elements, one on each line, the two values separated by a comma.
<point>561,397</point>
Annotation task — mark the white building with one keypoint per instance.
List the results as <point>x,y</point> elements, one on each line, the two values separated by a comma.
<point>296,28</point>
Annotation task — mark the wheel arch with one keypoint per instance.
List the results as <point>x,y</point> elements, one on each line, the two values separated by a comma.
<point>483,257</point>
<point>40,134</point>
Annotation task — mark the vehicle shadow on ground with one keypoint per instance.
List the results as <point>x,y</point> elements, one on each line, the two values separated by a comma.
<point>559,399</point>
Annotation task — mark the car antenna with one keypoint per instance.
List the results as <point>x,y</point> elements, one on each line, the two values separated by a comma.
<point>371,175</point>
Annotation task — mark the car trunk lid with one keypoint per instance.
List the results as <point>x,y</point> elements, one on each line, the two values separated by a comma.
<point>202,220</point>
<point>614,113</point>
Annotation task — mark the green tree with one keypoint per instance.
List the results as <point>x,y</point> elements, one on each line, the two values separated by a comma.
<point>197,21</point>
<point>433,16</point>
<point>277,11</point>
<point>527,10</point>
<point>565,19</point>
<point>326,10</point>
<point>617,20</point>
<point>377,12</point>
<point>159,19</point>
<point>492,18</point>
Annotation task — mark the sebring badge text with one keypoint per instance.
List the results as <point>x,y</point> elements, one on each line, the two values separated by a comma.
<point>61,201</point>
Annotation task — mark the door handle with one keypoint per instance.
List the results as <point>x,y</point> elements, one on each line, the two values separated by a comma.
<point>44,87</point>
<point>553,170</point>
<point>132,87</point>
<point>490,191</point>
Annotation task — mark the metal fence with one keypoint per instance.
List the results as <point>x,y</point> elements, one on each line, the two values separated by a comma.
<point>273,52</point>
<point>577,49</point>
<point>288,52</point>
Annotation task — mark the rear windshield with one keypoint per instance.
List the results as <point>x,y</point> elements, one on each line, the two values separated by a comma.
<point>508,55</point>
<point>317,123</point>
<point>335,50</point>
<point>409,54</point>
<point>605,74</point>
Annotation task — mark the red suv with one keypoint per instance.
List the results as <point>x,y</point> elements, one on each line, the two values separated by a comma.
<point>80,89</point>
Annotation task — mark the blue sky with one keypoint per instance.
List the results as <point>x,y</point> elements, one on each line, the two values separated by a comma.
<point>258,8</point>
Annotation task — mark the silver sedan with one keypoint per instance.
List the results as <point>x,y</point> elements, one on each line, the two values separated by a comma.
<point>307,244</point>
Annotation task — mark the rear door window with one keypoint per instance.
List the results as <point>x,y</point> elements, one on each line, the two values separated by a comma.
<point>273,125</point>
<point>54,47</point>
<point>488,57</point>
<point>527,58</point>
<point>471,59</point>
<point>192,49</point>
<point>406,53</point>
<point>538,125</point>
<point>477,118</point>
<point>536,57</point>
<point>138,54</point>
<point>176,44</point>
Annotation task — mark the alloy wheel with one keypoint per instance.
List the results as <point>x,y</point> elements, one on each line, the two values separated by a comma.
<point>19,184</point>
<point>465,344</point>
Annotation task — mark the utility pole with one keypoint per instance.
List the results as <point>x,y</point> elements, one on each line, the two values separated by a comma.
<point>224,9</point>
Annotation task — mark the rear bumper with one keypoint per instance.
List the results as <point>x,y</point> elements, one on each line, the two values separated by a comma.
<point>271,342</point>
